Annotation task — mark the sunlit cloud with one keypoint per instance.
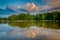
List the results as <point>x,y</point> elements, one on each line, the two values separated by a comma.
<point>31,7</point>
<point>32,33</point>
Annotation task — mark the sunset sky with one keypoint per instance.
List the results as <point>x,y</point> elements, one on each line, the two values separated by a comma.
<point>39,6</point>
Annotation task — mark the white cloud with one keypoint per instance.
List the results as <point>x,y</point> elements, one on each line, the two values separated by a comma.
<point>45,7</point>
<point>18,7</point>
<point>31,7</point>
<point>53,4</point>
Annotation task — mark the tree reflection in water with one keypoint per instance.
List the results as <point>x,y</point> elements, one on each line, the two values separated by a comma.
<point>45,24</point>
<point>32,30</point>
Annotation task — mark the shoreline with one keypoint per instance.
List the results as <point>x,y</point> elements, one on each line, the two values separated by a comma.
<point>26,20</point>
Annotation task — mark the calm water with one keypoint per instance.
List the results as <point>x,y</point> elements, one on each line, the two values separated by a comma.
<point>44,30</point>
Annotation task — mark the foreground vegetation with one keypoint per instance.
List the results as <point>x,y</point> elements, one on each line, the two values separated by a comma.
<point>45,16</point>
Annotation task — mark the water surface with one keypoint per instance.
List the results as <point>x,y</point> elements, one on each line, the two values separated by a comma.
<point>42,30</point>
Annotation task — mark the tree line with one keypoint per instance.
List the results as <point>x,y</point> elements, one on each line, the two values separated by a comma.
<point>45,16</point>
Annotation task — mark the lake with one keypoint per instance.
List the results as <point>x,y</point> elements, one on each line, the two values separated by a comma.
<point>41,30</point>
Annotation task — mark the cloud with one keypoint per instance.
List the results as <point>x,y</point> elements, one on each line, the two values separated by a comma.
<point>45,7</point>
<point>51,5</point>
<point>55,4</point>
<point>2,16</point>
<point>31,7</point>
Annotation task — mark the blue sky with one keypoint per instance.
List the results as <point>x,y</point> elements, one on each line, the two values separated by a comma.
<point>34,6</point>
<point>4,3</point>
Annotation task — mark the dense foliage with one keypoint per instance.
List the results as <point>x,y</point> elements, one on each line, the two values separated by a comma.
<point>3,18</point>
<point>48,16</point>
<point>45,16</point>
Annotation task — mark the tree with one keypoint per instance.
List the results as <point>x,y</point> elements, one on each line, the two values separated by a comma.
<point>13,17</point>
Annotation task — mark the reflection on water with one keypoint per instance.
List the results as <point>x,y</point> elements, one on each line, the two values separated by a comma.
<point>43,30</point>
<point>45,24</point>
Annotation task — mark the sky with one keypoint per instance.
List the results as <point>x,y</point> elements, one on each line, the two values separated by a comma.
<point>39,6</point>
<point>4,3</point>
